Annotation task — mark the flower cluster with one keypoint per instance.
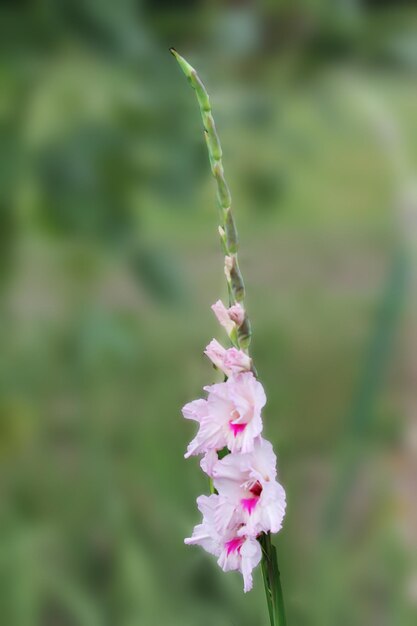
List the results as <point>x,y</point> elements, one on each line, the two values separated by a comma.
<point>248,500</point>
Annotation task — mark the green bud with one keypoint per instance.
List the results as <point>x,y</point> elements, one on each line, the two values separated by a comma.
<point>234,338</point>
<point>245,333</point>
<point>184,65</point>
<point>236,280</point>
<point>223,192</point>
<point>211,159</point>
<point>213,141</point>
<point>223,240</point>
<point>231,232</point>
<point>201,93</point>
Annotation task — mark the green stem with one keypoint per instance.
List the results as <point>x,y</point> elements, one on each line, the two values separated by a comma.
<point>272,582</point>
<point>229,241</point>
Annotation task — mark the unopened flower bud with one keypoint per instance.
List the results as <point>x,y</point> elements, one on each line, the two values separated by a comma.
<point>237,314</point>
<point>228,266</point>
<point>230,361</point>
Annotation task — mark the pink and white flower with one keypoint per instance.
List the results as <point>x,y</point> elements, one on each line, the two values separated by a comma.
<point>246,484</point>
<point>234,550</point>
<point>230,318</point>
<point>230,361</point>
<point>231,415</point>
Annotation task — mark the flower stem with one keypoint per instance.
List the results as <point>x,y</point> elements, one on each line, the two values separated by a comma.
<point>272,582</point>
<point>229,241</point>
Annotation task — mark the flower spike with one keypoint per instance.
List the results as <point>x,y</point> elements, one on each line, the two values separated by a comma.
<point>247,503</point>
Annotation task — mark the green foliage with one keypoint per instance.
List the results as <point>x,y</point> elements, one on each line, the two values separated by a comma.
<point>106,221</point>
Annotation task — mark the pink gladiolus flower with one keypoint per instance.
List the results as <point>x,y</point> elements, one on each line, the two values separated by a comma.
<point>247,482</point>
<point>234,551</point>
<point>231,415</point>
<point>229,318</point>
<point>231,361</point>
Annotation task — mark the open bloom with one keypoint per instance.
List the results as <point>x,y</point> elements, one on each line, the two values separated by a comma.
<point>248,490</point>
<point>234,551</point>
<point>230,361</point>
<point>231,415</point>
<point>230,318</point>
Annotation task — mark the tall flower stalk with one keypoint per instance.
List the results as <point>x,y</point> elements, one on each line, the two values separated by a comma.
<point>246,504</point>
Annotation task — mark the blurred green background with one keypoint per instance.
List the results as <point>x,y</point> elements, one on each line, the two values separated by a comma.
<point>110,261</point>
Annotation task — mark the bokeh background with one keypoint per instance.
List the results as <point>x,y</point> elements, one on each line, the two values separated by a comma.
<point>109,264</point>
